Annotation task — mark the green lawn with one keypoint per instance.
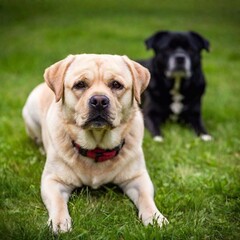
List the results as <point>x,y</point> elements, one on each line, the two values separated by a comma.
<point>197,184</point>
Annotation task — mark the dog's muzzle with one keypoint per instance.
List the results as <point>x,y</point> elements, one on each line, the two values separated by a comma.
<point>179,65</point>
<point>99,116</point>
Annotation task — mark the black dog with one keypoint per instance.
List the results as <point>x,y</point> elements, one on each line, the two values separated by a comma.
<point>177,81</point>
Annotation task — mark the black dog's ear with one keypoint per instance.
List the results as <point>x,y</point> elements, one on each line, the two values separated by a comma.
<point>201,41</point>
<point>156,37</point>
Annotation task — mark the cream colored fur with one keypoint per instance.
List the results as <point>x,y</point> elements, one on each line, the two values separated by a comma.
<point>54,115</point>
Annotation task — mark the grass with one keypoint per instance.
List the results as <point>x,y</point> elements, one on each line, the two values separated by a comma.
<point>196,183</point>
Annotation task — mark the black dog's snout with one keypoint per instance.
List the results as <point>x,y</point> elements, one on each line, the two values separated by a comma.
<point>180,60</point>
<point>99,102</point>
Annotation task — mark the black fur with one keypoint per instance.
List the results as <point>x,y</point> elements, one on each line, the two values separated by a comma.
<point>184,48</point>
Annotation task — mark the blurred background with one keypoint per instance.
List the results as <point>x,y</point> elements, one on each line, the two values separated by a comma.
<point>197,184</point>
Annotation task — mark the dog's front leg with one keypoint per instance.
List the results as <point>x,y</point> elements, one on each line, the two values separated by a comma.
<point>153,125</point>
<point>197,124</point>
<point>55,196</point>
<point>140,191</point>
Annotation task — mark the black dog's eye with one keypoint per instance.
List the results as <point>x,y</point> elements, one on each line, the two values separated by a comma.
<point>115,85</point>
<point>80,85</point>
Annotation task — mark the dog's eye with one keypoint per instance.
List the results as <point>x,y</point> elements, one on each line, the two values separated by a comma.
<point>80,85</point>
<point>115,85</point>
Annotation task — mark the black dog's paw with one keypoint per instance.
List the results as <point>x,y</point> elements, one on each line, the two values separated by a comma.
<point>158,139</point>
<point>206,137</point>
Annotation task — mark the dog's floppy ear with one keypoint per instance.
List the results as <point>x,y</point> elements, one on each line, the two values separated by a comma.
<point>201,41</point>
<point>155,38</point>
<point>140,75</point>
<point>54,76</point>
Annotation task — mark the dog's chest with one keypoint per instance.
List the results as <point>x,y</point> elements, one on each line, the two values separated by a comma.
<point>176,105</point>
<point>96,174</point>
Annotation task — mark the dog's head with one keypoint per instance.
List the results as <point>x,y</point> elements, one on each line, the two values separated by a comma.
<point>177,53</point>
<point>97,91</point>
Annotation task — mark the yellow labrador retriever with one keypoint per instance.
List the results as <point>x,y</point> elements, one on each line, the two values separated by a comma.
<point>87,117</point>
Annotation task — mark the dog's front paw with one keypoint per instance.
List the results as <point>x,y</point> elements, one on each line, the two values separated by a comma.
<point>206,137</point>
<point>60,224</point>
<point>158,139</point>
<point>157,217</point>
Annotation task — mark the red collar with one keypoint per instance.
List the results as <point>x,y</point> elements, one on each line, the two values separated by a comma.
<point>98,154</point>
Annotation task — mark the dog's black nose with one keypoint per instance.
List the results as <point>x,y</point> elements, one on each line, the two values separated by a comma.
<point>180,60</point>
<point>99,102</point>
